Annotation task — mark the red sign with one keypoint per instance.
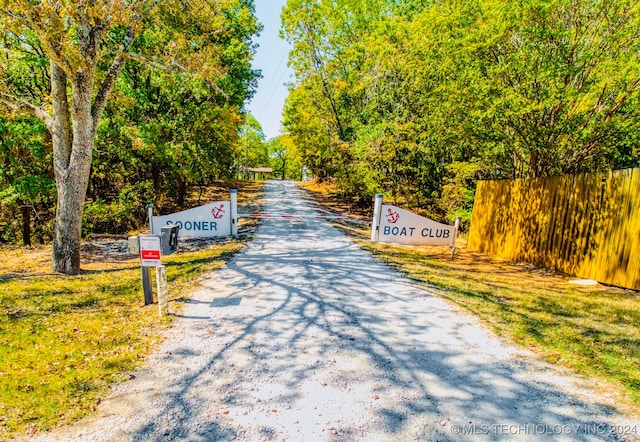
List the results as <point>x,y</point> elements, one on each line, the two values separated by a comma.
<point>150,254</point>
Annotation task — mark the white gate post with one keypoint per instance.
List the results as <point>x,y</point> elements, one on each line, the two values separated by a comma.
<point>163,295</point>
<point>377,211</point>
<point>234,212</point>
<point>150,210</point>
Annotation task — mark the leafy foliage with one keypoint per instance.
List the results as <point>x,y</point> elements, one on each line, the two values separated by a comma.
<point>285,159</point>
<point>26,177</point>
<point>171,121</point>
<point>420,99</point>
<point>253,150</point>
<point>166,130</point>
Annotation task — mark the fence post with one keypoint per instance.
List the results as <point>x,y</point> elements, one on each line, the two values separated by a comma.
<point>377,211</point>
<point>234,212</point>
<point>163,295</point>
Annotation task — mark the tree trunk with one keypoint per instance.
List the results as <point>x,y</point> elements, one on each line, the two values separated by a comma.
<point>181,189</point>
<point>75,54</point>
<point>72,165</point>
<point>66,242</point>
<point>72,190</point>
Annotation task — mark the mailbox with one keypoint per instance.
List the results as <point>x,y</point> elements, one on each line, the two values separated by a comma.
<point>169,239</point>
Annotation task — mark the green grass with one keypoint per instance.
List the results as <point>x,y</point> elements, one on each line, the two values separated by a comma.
<point>593,330</point>
<point>64,339</point>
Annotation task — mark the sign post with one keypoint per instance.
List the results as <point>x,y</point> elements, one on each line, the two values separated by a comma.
<point>163,296</point>
<point>146,285</point>
<point>375,225</point>
<point>150,213</point>
<point>150,248</point>
<point>150,256</point>
<point>455,234</point>
<point>233,196</point>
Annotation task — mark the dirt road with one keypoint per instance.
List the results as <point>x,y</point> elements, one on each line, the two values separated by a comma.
<point>305,337</point>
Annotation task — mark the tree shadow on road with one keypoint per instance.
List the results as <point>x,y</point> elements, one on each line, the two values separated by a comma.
<point>328,344</point>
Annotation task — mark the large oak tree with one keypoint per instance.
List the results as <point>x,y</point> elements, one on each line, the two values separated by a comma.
<point>84,45</point>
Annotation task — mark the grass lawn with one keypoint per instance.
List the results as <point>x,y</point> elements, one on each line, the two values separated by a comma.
<point>65,339</point>
<point>592,330</point>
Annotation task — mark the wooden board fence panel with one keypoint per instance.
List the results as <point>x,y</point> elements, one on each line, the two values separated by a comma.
<point>585,225</point>
<point>634,258</point>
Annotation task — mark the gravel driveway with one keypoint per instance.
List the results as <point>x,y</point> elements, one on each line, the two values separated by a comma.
<point>305,337</point>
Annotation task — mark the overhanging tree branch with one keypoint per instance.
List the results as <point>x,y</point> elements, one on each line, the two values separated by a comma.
<point>110,80</point>
<point>16,104</point>
<point>174,67</point>
<point>50,48</point>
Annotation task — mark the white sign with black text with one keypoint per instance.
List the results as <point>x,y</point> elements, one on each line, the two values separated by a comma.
<point>213,219</point>
<point>394,225</point>
<point>402,227</point>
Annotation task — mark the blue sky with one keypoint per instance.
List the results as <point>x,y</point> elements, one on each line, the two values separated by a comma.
<point>271,58</point>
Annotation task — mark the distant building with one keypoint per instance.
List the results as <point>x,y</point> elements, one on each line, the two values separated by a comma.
<point>256,173</point>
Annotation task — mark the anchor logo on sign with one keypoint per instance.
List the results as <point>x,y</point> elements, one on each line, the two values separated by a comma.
<point>218,212</point>
<point>392,217</point>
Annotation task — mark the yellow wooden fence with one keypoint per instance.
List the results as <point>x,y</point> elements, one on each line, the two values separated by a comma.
<point>585,225</point>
